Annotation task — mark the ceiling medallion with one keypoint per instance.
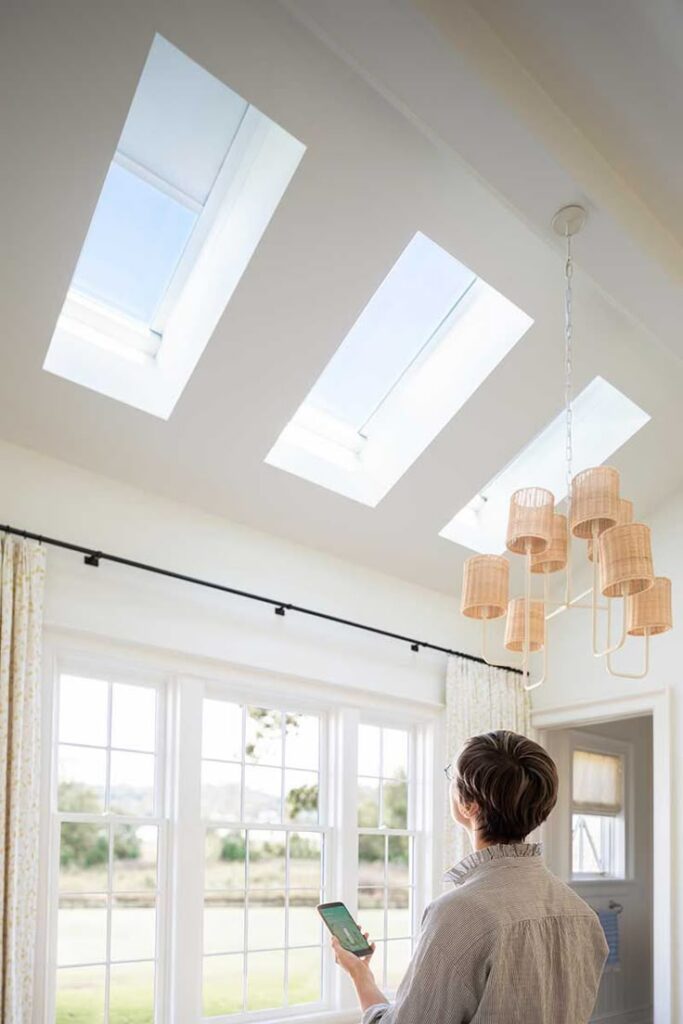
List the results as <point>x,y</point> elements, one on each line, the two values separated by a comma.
<point>618,548</point>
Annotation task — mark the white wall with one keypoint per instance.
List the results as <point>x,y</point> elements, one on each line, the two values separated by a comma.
<point>57,499</point>
<point>576,679</point>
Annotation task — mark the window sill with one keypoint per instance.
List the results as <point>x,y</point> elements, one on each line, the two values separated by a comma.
<point>319,1017</point>
<point>592,883</point>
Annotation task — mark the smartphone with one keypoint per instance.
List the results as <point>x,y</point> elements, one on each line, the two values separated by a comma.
<point>344,928</point>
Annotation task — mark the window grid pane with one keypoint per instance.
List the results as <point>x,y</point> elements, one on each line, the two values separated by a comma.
<point>593,844</point>
<point>266,872</point>
<point>386,873</point>
<point>109,885</point>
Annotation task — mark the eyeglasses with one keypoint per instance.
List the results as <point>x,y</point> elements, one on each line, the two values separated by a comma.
<point>449,771</point>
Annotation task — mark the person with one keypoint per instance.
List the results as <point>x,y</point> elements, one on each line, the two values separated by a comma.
<point>510,943</point>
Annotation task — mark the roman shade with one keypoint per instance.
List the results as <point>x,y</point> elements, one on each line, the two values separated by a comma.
<point>597,783</point>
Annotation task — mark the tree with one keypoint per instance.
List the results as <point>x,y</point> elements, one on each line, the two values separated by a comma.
<point>268,722</point>
<point>82,845</point>
<point>367,812</point>
<point>126,843</point>
<point>396,804</point>
<point>371,848</point>
<point>399,850</point>
<point>302,803</point>
<point>233,847</point>
<point>85,844</point>
<point>302,849</point>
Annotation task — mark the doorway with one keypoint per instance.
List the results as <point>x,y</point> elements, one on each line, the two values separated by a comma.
<point>599,839</point>
<point>605,841</point>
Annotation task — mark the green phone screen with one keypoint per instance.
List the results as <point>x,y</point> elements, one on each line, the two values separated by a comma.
<point>344,928</point>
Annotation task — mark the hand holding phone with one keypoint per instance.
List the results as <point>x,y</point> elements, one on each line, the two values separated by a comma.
<point>343,927</point>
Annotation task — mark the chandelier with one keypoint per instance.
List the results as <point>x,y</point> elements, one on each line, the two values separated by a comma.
<point>543,534</point>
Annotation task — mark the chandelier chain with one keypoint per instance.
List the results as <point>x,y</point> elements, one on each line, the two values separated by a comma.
<point>568,338</point>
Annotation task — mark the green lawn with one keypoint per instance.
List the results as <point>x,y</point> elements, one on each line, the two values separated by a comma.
<point>265,988</point>
<point>80,995</point>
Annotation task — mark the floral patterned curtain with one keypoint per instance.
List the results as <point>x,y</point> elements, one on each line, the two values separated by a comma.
<point>479,698</point>
<point>22,575</point>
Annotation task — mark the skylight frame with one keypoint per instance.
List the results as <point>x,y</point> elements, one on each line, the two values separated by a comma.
<point>480,525</point>
<point>479,330</point>
<point>148,365</point>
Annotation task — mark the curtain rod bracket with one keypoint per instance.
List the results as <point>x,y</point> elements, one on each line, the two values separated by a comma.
<point>92,559</point>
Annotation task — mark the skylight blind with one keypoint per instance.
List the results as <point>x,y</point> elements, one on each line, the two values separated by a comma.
<point>597,783</point>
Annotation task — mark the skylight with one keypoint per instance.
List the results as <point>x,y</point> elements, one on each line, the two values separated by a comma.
<point>134,244</point>
<point>422,289</point>
<point>603,420</point>
<point>194,181</point>
<point>427,339</point>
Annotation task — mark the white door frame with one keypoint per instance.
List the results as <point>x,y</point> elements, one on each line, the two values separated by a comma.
<point>656,703</point>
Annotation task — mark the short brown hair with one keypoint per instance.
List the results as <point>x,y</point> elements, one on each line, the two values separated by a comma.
<point>512,780</point>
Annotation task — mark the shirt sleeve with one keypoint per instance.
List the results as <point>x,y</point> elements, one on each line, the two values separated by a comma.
<point>374,1014</point>
<point>435,985</point>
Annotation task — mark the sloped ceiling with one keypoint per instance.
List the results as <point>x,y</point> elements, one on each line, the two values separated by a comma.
<point>407,128</point>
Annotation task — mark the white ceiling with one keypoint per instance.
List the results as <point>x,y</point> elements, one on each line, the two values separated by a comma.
<point>616,70</point>
<point>431,118</point>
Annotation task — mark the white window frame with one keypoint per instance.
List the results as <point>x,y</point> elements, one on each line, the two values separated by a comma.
<point>215,691</point>
<point>108,670</point>
<point>419,845</point>
<point>182,685</point>
<point>107,352</point>
<point>622,832</point>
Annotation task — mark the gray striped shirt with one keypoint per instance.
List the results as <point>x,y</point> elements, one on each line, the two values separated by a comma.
<point>511,944</point>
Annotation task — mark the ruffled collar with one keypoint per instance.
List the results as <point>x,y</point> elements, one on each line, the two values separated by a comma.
<point>499,851</point>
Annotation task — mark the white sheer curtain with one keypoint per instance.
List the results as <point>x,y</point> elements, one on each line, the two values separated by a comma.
<point>479,698</point>
<point>22,575</point>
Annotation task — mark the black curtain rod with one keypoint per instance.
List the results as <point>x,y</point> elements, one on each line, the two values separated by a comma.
<point>94,557</point>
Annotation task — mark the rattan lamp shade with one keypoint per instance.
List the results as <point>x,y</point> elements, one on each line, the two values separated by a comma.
<point>626,560</point>
<point>485,587</point>
<point>514,626</point>
<point>624,514</point>
<point>594,501</point>
<point>554,558</point>
<point>530,521</point>
<point>649,612</point>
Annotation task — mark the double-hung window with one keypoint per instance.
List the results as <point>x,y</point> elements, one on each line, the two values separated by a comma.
<point>386,846</point>
<point>265,840</point>
<point>598,819</point>
<point>197,824</point>
<point>108,852</point>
